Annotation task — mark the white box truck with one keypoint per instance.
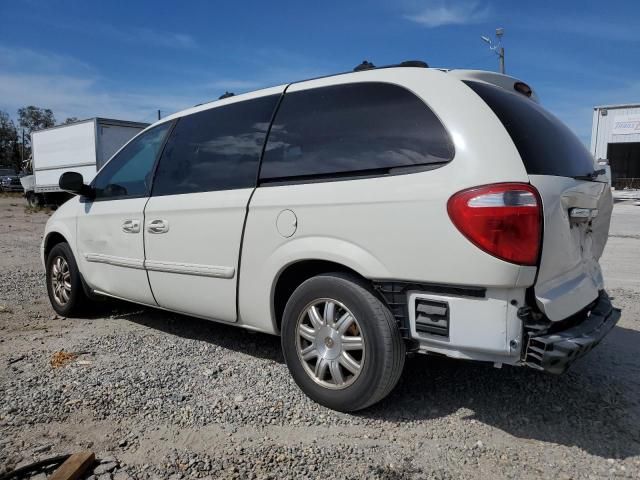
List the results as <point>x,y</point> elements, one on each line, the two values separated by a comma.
<point>81,147</point>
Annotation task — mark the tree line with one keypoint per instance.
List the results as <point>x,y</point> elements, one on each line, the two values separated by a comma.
<point>12,148</point>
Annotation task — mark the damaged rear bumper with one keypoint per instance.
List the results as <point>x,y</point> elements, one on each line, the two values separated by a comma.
<point>555,352</point>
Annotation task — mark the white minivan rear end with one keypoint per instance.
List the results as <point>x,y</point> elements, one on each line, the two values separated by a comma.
<point>576,208</point>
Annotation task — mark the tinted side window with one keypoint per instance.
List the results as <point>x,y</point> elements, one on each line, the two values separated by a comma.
<point>128,174</point>
<point>353,128</point>
<point>216,149</point>
<point>546,145</point>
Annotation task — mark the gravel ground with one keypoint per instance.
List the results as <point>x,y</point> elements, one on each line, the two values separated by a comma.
<point>158,395</point>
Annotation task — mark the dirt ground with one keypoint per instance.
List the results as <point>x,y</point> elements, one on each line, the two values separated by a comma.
<point>158,395</point>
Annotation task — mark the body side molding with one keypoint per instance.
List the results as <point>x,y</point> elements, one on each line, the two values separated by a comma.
<point>115,261</point>
<point>190,269</point>
<point>158,266</point>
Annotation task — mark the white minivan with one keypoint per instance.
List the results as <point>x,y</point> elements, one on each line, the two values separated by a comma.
<point>359,216</point>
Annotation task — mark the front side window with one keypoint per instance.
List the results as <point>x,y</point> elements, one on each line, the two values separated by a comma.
<point>357,128</point>
<point>129,173</point>
<point>216,149</point>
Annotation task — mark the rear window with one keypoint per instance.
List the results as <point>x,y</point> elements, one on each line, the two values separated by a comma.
<point>547,146</point>
<point>360,128</point>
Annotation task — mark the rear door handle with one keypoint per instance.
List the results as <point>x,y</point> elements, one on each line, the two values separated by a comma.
<point>131,226</point>
<point>158,226</point>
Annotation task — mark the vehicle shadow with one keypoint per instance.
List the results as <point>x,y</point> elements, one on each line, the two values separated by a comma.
<point>595,406</point>
<point>258,344</point>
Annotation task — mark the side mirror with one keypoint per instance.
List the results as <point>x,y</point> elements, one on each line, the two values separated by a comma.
<point>73,182</point>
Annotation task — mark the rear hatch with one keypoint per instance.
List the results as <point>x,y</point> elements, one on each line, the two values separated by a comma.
<point>576,205</point>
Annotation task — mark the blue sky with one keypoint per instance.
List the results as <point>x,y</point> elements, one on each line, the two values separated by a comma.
<point>128,59</point>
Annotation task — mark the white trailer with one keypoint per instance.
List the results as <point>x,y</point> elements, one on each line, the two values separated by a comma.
<point>81,147</point>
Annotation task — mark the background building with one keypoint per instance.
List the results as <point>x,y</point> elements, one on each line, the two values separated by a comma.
<point>615,135</point>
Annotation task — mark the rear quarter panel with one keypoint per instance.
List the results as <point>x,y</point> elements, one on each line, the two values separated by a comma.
<point>393,227</point>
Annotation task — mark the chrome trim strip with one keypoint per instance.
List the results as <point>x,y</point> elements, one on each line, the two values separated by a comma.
<point>190,269</point>
<point>115,261</point>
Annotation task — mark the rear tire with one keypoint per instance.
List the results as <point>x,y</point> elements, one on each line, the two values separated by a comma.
<point>64,284</point>
<point>341,343</point>
<point>34,200</point>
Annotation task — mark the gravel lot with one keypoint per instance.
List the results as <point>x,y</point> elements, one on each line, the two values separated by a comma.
<point>158,395</point>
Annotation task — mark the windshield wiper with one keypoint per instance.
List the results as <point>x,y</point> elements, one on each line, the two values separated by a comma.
<point>590,177</point>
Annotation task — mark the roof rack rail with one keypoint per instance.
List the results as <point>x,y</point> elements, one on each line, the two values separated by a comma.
<point>414,63</point>
<point>366,65</point>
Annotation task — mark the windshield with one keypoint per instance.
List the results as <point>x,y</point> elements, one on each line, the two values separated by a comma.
<point>547,146</point>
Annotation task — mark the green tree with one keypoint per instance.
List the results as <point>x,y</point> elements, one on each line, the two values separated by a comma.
<point>9,146</point>
<point>35,118</point>
<point>70,120</point>
<point>31,119</point>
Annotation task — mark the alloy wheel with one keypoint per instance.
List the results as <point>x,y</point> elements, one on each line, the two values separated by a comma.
<point>330,343</point>
<point>60,281</point>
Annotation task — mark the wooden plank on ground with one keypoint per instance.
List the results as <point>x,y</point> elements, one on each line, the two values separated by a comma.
<point>75,466</point>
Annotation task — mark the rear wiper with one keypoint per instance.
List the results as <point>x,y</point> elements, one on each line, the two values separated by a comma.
<point>591,176</point>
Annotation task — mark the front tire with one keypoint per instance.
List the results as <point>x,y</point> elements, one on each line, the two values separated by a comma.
<point>341,343</point>
<point>64,284</point>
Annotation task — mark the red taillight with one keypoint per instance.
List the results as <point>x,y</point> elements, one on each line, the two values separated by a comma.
<point>504,220</point>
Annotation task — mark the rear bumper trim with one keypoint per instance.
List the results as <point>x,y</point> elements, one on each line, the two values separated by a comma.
<point>556,352</point>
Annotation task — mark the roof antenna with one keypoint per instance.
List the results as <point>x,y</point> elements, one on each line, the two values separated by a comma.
<point>365,65</point>
<point>226,95</point>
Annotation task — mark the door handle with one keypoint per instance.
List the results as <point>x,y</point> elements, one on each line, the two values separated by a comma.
<point>158,226</point>
<point>131,226</point>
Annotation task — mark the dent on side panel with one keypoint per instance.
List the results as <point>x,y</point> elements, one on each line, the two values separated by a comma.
<point>570,277</point>
<point>526,277</point>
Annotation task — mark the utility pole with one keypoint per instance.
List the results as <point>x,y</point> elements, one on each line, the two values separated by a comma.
<point>499,34</point>
<point>158,114</point>
<point>22,149</point>
<point>497,47</point>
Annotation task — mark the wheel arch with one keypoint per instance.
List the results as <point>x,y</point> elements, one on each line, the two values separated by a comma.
<point>263,273</point>
<point>55,237</point>
<point>51,240</point>
<point>297,272</point>
<point>57,232</point>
